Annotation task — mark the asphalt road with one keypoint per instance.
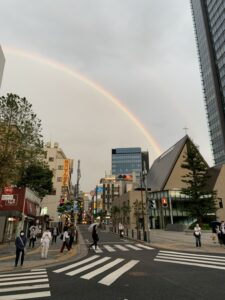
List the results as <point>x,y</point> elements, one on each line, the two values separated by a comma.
<point>114,273</point>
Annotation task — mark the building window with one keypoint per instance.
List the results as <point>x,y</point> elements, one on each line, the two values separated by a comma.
<point>60,167</point>
<point>51,159</point>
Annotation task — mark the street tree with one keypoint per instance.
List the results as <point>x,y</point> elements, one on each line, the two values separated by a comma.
<point>37,177</point>
<point>115,212</point>
<point>201,199</point>
<point>20,138</point>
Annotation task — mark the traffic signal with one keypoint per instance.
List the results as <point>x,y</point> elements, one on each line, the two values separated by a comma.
<point>164,202</point>
<point>152,204</point>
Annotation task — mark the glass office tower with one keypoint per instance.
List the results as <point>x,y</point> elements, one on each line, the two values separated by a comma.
<point>129,160</point>
<point>209,20</point>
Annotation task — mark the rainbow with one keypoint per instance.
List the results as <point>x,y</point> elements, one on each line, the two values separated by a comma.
<point>63,68</point>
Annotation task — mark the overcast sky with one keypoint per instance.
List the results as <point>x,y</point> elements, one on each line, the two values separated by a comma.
<point>142,51</point>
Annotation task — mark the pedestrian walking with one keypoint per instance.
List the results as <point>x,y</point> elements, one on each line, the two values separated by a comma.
<point>45,242</point>
<point>20,243</point>
<point>55,233</point>
<point>95,237</point>
<point>32,236</point>
<point>121,229</point>
<point>219,235</point>
<point>197,234</point>
<point>71,236</point>
<point>65,239</point>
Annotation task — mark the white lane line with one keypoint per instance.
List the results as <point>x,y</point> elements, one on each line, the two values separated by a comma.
<point>109,248</point>
<point>188,256</point>
<point>108,280</point>
<point>88,266</point>
<point>189,259</point>
<point>22,274</point>
<point>191,254</point>
<point>189,264</point>
<point>23,281</point>
<point>121,247</point>
<point>97,250</point>
<point>34,270</point>
<point>76,264</point>
<point>133,247</point>
<point>102,269</point>
<point>23,277</point>
<point>26,296</point>
<point>27,287</point>
<point>145,247</point>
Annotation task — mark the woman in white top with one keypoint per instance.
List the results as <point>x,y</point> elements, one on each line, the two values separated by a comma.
<point>45,242</point>
<point>197,234</point>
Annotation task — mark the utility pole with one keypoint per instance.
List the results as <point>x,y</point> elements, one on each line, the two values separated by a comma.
<point>76,196</point>
<point>144,174</point>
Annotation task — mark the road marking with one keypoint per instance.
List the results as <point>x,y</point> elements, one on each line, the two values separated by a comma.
<point>76,264</point>
<point>190,264</point>
<point>188,259</point>
<point>24,277</point>
<point>109,279</point>
<point>22,274</point>
<point>102,269</point>
<point>26,296</point>
<point>97,250</point>
<point>72,273</point>
<point>24,281</point>
<point>27,287</point>
<point>109,248</point>
<point>193,257</point>
<point>133,247</point>
<point>145,247</point>
<point>191,254</point>
<point>121,248</point>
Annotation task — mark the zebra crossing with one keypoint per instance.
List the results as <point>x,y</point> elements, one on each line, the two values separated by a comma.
<point>124,247</point>
<point>24,285</point>
<point>198,260</point>
<point>96,265</point>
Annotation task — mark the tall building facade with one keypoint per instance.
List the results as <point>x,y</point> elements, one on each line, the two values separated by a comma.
<point>2,64</point>
<point>209,20</point>
<point>129,161</point>
<point>62,168</point>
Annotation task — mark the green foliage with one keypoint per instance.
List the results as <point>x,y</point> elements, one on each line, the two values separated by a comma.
<point>20,138</point>
<point>201,200</point>
<point>37,177</point>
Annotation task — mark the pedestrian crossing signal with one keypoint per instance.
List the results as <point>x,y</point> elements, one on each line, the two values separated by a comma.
<point>164,202</point>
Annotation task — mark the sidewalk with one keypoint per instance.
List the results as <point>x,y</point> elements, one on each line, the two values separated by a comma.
<point>32,257</point>
<point>184,241</point>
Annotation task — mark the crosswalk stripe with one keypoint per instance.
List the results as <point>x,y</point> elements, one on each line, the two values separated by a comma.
<point>34,270</point>
<point>189,259</point>
<point>22,274</point>
<point>26,296</point>
<point>76,264</point>
<point>109,248</point>
<point>109,279</point>
<point>145,247</point>
<point>24,277</point>
<point>121,248</point>
<point>27,287</point>
<point>190,264</point>
<point>97,250</point>
<point>133,247</point>
<point>102,269</point>
<point>192,256</point>
<point>24,281</point>
<point>88,266</point>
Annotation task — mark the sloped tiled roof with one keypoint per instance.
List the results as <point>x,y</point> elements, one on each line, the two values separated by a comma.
<point>162,167</point>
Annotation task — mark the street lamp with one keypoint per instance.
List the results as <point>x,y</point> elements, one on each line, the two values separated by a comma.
<point>144,174</point>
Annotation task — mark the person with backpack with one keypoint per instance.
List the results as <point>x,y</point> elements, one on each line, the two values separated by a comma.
<point>197,235</point>
<point>95,237</point>
<point>20,243</point>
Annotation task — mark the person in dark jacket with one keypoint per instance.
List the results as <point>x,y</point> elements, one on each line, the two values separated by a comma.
<point>20,243</point>
<point>94,237</point>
